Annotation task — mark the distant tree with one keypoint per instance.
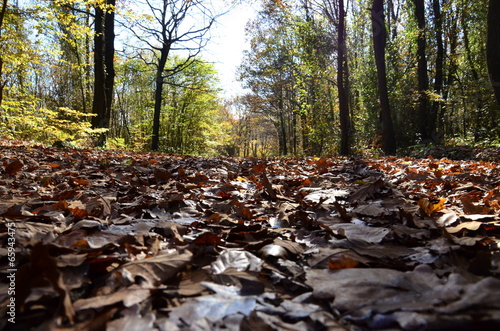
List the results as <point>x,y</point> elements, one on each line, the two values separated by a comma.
<point>3,10</point>
<point>268,71</point>
<point>104,71</point>
<point>379,43</point>
<point>169,26</point>
<point>425,119</point>
<point>335,12</point>
<point>493,46</point>
<point>191,121</point>
<point>439,70</point>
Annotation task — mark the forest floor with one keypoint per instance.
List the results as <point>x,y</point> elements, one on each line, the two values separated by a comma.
<point>117,240</point>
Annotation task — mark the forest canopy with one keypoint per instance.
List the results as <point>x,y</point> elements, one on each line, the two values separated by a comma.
<point>323,77</point>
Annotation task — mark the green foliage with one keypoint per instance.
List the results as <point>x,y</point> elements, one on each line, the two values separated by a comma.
<point>25,120</point>
<point>192,120</point>
<point>289,70</point>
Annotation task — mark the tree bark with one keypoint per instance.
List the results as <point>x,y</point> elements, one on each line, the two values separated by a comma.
<point>109,58</point>
<point>439,75</point>
<point>342,84</point>
<point>2,82</point>
<point>99,102</point>
<point>423,81</point>
<point>162,62</point>
<point>493,46</point>
<point>379,43</point>
<point>104,72</point>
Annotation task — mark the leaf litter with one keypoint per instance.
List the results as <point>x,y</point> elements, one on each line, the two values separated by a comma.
<point>146,241</point>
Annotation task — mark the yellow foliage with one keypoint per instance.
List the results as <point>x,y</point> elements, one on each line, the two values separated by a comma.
<point>430,208</point>
<point>24,120</point>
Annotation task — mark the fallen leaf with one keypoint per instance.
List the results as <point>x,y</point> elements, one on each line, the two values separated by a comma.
<point>355,232</point>
<point>430,208</point>
<point>14,167</point>
<point>155,270</point>
<point>342,262</point>
<point>227,301</point>
<point>129,296</point>
<point>237,259</point>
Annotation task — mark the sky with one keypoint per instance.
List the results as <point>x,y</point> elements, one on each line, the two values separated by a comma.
<point>227,44</point>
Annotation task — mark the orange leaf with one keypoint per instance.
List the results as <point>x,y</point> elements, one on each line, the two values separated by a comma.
<point>81,243</point>
<point>306,182</point>
<point>261,167</point>
<point>430,208</point>
<point>78,182</point>
<point>342,262</point>
<point>78,213</point>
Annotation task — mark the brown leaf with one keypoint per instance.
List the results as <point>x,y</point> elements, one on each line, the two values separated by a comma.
<point>128,296</point>
<point>78,182</point>
<point>261,167</point>
<point>471,209</point>
<point>14,167</point>
<point>242,211</point>
<point>208,238</point>
<point>155,270</point>
<point>366,191</point>
<point>268,187</point>
<point>42,270</point>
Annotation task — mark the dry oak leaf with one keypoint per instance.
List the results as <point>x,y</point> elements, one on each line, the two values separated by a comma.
<point>129,296</point>
<point>13,167</point>
<point>237,259</point>
<point>157,269</point>
<point>430,208</point>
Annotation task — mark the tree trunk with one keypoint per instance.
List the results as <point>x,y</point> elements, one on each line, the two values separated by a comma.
<point>99,102</point>
<point>439,75</point>
<point>493,46</point>
<point>423,81</point>
<point>155,142</point>
<point>103,69</point>
<point>451,75</point>
<point>284,133</point>
<point>379,43</point>
<point>2,83</point>
<point>342,84</point>
<point>477,121</point>
<point>109,57</point>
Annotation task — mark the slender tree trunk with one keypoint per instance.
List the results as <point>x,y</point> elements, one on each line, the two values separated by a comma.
<point>493,46</point>
<point>379,43</point>
<point>342,84</point>
<point>109,57</point>
<point>439,75</point>
<point>476,122</point>
<point>283,129</point>
<point>103,68</point>
<point>155,143</point>
<point>423,81</point>
<point>99,102</point>
<point>2,82</point>
<point>452,69</point>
